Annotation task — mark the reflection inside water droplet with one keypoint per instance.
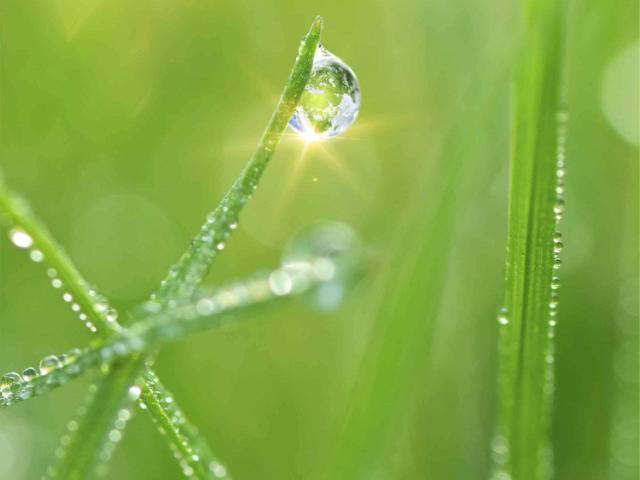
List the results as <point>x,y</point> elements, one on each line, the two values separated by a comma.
<point>331,100</point>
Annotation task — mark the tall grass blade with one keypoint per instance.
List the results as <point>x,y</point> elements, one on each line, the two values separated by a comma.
<point>521,449</point>
<point>185,275</point>
<point>91,437</point>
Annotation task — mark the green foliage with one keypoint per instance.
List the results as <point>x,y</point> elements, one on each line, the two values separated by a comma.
<point>521,448</point>
<point>210,310</point>
<point>122,121</point>
<point>90,442</point>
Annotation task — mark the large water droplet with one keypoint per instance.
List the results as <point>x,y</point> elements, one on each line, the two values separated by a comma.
<point>330,101</point>
<point>8,380</point>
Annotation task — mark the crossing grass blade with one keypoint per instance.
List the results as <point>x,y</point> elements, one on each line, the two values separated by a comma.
<point>210,310</point>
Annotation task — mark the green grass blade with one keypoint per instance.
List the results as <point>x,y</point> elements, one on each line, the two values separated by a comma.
<point>91,437</point>
<point>212,310</point>
<point>521,449</point>
<point>92,308</point>
<point>185,275</point>
<point>194,456</point>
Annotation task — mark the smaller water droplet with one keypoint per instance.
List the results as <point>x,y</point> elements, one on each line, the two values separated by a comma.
<point>111,315</point>
<point>502,316</point>
<point>29,374</point>
<point>20,238</point>
<point>217,469</point>
<point>134,392</point>
<point>205,306</point>
<point>67,297</point>
<point>280,282</point>
<point>56,283</point>
<point>115,435</point>
<point>48,364</point>
<point>36,256</point>
<point>555,283</point>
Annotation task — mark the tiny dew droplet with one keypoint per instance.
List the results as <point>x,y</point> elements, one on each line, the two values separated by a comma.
<point>331,100</point>
<point>36,255</point>
<point>502,316</point>
<point>112,315</point>
<point>20,238</point>
<point>29,374</point>
<point>48,364</point>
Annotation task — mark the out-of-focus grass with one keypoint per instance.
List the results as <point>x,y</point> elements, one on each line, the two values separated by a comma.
<point>116,116</point>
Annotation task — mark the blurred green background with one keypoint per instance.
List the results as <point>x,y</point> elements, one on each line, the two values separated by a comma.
<point>124,123</point>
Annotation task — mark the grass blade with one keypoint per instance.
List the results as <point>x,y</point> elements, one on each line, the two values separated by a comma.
<point>521,448</point>
<point>29,232</point>
<point>194,456</point>
<point>187,274</point>
<point>212,310</point>
<point>85,449</point>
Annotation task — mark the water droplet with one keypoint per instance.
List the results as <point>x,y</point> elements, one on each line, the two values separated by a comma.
<point>502,316</point>
<point>20,238</point>
<point>48,364</point>
<point>280,282</point>
<point>7,381</point>
<point>36,255</point>
<point>134,392</point>
<point>205,306</point>
<point>111,315</point>
<point>29,374</point>
<point>67,297</point>
<point>555,283</point>
<point>500,449</point>
<point>217,469</point>
<point>56,283</point>
<point>71,355</point>
<point>331,100</point>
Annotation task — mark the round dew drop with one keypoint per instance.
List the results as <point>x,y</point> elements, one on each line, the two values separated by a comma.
<point>10,379</point>
<point>48,364</point>
<point>331,100</point>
